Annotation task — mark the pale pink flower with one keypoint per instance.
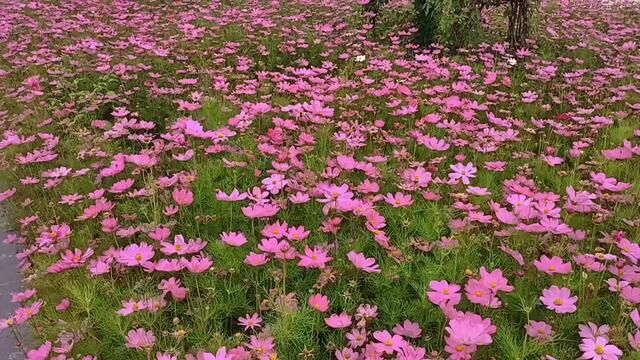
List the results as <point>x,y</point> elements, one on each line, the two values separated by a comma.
<point>338,321</point>
<point>363,263</point>
<point>140,339</point>
<point>559,300</point>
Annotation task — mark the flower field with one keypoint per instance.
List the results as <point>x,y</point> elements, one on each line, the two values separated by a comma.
<point>245,179</point>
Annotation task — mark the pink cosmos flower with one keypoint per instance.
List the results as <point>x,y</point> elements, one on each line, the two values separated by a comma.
<point>494,280</point>
<point>387,343</point>
<point>559,300</point>
<point>592,331</point>
<point>463,172</point>
<point>634,340</point>
<point>363,263</point>
<point>398,200</point>
<point>235,195</point>
<point>259,211</point>
<point>41,353</point>
<point>63,305</point>
<point>478,293</point>
<point>553,265</point>
<point>233,238</point>
<point>299,198</point>
<point>140,339</point>
<point>173,286</point>
<point>336,321</point>
<point>497,166</point>
<point>23,296</point>
<point>221,354</point>
<point>297,233</point>
<point>121,186</point>
<point>316,258</point>
<point>182,247</point>
<point>409,329</point>
<point>135,255</point>
<point>539,330</point>
<point>276,230</point>
<point>466,332</point>
<point>599,349</point>
<point>319,302</point>
<point>197,264</point>
<point>131,306</point>
<point>250,322</point>
<point>182,197</point>
<point>254,259</point>
<point>443,293</point>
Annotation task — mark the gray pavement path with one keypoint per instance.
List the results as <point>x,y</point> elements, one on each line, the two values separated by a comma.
<point>10,281</point>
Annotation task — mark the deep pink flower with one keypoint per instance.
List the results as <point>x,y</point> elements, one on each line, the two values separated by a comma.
<point>363,263</point>
<point>182,197</point>
<point>135,255</point>
<point>319,302</point>
<point>553,265</point>
<point>233,238</point>
<point>313,258</point>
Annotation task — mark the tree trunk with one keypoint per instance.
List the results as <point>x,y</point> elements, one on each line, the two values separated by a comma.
<point>518,22</point>
<point>374,7</point>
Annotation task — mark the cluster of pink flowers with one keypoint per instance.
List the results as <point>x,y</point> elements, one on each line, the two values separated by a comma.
<point>158,156</point>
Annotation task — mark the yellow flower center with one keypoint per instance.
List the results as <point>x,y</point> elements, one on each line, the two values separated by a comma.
<point>558,301</point>
<point>599,349</point>
<point>460,348</point>
<point>138,257</point>
<point>388,342</point>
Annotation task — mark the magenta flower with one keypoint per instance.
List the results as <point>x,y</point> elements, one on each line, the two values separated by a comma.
<point>559,300</point>
<point>387,343</point>
<point>398,200</point>
<point>174,287</point>
<point>221,354</point>
<point>197,264</point>
<point>443,293</point>
<point>233,238</point>
<point>363,263</point>
<point>182,197</point>
<point>319,302</point>
<point>599,349</point>
<point>41,353</point>
<point>553,265</point>
<point>135,255</point>
<point>254,259</point>
<point>313,258</point>
<point>463,173</point>
<point>250,321</point>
